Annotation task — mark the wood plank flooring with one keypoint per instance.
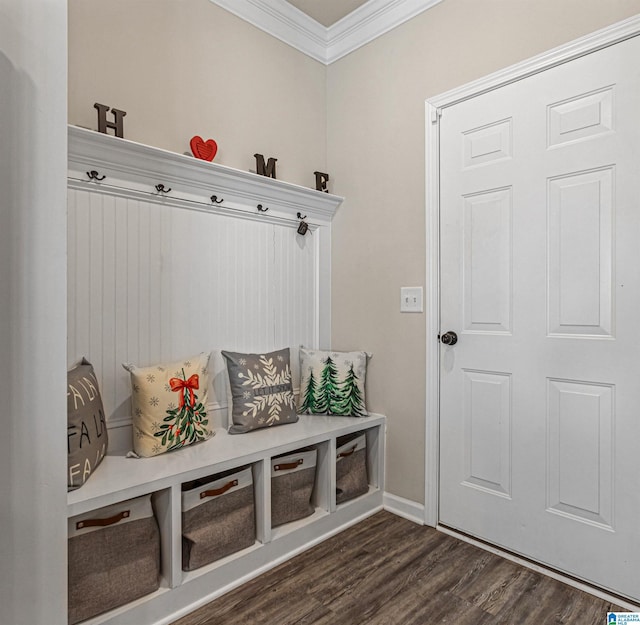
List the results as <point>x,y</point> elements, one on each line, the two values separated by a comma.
<point>389,571</point>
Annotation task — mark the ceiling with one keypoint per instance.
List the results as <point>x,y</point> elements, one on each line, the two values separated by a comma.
<point>327,12</point>
<point>326,30</point>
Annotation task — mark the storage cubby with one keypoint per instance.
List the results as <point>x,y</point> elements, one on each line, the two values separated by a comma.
<point>352,475</point>
<point>115,557</point>
<point>218,517</point>
<point>119,478</point>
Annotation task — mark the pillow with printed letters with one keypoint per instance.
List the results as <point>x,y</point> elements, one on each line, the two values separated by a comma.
<point>261,392</point>
<point>87,437</point>
<point>169,404</point>
<point>332,383</point>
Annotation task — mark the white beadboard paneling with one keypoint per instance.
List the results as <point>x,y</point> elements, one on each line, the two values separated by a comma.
<point>94,284</point>
<point>296,287</point>
<point>155,278</point>
<point>121,304</point>
<point>72,270</point>
<point>108,292</point>
<point>149,281</point>
<point>81,328</point>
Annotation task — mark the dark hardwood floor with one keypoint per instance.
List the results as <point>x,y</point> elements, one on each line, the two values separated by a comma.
<point>389,571</point>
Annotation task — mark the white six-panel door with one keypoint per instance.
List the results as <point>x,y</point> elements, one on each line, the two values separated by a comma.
<point>540,279</point>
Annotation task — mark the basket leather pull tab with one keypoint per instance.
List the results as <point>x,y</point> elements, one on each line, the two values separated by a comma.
<point>218,491</point>
<point>344,454</point>
<point>103,522</point>
<point>288,465</point>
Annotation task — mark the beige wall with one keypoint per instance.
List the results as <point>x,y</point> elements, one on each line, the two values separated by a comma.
<point>187,67</point>
<point>376,158</point>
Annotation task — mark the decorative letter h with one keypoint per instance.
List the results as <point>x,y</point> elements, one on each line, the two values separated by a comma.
<point>103,124</point>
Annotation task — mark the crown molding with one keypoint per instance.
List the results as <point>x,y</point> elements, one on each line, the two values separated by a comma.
<point>283,21</point>
<point>368,22</point>
<point>326,45</point>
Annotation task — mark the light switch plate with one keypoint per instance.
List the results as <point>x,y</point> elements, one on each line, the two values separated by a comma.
<point>411,299</point>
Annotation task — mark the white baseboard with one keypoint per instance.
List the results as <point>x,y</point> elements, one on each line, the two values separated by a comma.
<point>405,508</point>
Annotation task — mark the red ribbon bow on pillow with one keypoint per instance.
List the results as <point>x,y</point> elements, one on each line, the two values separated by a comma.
<point>189,385</point>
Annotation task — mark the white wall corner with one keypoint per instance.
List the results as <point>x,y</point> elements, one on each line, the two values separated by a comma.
<point>33,310</point>
<point>295,28</point>
<point>371,20</point>
<point>405,508</point>
<point>283,21</point>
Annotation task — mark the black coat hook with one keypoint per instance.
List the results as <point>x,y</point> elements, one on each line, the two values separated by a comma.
<point>160,189</point>
<point>215,200</point>
<point>303,226</point>
<point>262,210</point>
<point>94,175</point>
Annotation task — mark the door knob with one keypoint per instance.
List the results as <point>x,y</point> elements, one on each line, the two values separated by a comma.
<point>449,338</point>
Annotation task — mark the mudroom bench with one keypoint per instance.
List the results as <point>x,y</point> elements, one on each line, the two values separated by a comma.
<point>120,478</point>
<point>169,255</point>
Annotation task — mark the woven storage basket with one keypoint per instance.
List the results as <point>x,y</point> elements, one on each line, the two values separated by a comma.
<point>293,477</point>
<point>218,517</point>
<point>351,467</point>
<point>114,557</point>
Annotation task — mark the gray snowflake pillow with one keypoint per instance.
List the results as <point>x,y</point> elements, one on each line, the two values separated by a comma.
<point>261,390</point>
<point>332,383</point>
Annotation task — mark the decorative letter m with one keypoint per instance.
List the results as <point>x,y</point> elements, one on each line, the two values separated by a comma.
<point>269,169</point>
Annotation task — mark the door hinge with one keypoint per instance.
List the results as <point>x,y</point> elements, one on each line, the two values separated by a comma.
<point>436,114</point>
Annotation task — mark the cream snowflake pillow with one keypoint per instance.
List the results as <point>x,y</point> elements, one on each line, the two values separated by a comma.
<point>261,390</point>
<point>169,404</point>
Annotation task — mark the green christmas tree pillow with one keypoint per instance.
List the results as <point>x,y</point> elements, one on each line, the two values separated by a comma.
<point>261,392</point>
<point>169,404</point>
<point>332,383</point>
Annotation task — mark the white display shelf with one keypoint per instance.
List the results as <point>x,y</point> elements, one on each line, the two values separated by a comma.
<point>133,169</point>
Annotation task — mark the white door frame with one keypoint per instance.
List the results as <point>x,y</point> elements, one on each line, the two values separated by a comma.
<point>433,110</point>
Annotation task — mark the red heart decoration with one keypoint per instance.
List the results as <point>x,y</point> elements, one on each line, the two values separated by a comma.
<point>206,150</point>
